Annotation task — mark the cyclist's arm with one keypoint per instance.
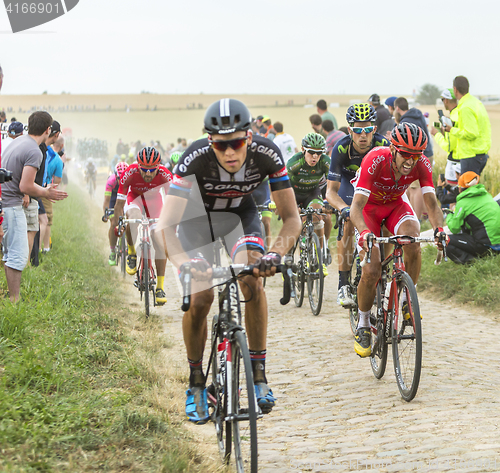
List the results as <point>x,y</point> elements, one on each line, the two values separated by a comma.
<point>120,203</point>
<point>287,209</point>
<point>171,215</point>
<point>107,200</point>
<point>358,204</point>
<point>332,195</point>
<point>433,210</point>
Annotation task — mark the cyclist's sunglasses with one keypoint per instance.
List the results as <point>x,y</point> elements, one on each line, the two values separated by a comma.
<point>235,144</point>
<point>408,155</point>
<point>148,170</point>
<point>359,129</point>
<point>312,152</point>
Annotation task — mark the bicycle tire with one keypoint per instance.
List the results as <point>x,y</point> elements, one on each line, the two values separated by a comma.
<point>407,340</point>
<point>263,232</point>
<point>355,276</point>
<point>378,359</point>
<point>315,276</point>
<point>298,277</point>
<point>222,427</point>
<point>244,424</point>
<point>123,255</point>
<point>145,277</point>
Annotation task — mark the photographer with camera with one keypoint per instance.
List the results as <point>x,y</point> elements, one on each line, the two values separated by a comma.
<point>23,157</point>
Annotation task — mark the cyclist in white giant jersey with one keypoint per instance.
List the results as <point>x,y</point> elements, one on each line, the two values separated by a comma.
<point>223,170</point>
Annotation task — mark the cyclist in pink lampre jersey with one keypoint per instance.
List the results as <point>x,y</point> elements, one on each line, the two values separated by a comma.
<point>110,194</point>
<point>379,195</point>
<point>138,192</point>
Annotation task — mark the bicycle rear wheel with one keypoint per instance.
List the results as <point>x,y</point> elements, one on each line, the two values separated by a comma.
<point>315,277</point>
<point>378,359</point>
<point>263,232</point>
<point>217,393</point>
<point>407,339</point>
<point>244,406</point>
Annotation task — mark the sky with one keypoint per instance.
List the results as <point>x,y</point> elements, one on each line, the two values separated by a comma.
<point>258,47</point>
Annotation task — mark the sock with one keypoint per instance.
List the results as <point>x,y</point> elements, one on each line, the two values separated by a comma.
<point>258,359</point>
<point>364,318</point>
<point>112,249</point>
<point>131,249</point>
<point>159,284</point>
<point>343,278</point>
<point>196,376</point>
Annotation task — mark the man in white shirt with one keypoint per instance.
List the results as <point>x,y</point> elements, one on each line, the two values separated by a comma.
<point>284,142</point>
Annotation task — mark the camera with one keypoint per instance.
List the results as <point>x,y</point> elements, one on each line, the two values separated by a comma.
<point>5,175</point>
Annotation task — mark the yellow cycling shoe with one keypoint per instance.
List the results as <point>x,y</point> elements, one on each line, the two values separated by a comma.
<point>161,297</point>
<point>131,264</point>
<point>325,270</point>
<point>363,342</point>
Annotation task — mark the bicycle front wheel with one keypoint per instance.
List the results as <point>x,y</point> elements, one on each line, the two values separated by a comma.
<point>217,393</point>
<point>145,277</point>
<point>298,277</point>
<point>315,277</point>
<point>244,406</point>
<point>407,338</point>
<point>378,358</point>
<point>123,255</point>
<point>355,276</point>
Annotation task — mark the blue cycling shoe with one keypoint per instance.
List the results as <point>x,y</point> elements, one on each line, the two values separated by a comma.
<point>265,398</point>
<point>197,405</point>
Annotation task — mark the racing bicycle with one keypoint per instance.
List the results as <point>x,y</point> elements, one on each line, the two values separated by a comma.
<point>395,318</point>
<point>231,395</point>
<point>309,265</point>
<point>145,276</point>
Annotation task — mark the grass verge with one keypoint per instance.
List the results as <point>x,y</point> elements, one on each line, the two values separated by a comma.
<point>78,390</point>
<point>477,283</point>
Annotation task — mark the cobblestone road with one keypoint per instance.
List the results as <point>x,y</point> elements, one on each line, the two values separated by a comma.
<point>333,415</point>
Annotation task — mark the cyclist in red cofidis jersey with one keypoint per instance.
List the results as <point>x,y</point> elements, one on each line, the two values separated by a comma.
<point>379,195</point>
<point>139,192</point>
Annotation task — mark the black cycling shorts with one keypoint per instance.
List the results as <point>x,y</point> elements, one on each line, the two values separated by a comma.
<point>240,230</point>
<point>305,199</point>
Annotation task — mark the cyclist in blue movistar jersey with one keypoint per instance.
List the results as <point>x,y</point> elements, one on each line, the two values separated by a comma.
<point>346,158</point>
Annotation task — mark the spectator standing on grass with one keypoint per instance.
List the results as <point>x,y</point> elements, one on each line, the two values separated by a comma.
<point>332,135</point>
<point>58,147</point>
<point>475,224</point>
<point>260,126</point>
<point>384,122</point>
<point>23,158</point>
<point>323,112</point>
<point>472,129</point>
<point>317,125</point>
<point>284,142</point>
<point>53,175</point>
<point>270,131</point>
<point>447,142</point>
<point>16,129</point>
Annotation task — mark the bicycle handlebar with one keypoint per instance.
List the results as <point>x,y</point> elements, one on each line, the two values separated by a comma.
<point>399,241</point>
<point>231,272</point>
<point>107,213</point>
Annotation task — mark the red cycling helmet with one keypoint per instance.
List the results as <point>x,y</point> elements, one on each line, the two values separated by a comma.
<point>410,136</point>
<point>120,168</point>
<point>148,156</point>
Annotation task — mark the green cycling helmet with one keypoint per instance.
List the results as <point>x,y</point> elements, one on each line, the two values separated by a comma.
<point>314,141</point>
<point>174,157</point>
<point>360,112</point>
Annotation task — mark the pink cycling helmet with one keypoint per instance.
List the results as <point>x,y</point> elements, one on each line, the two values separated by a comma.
<point>120,168</point>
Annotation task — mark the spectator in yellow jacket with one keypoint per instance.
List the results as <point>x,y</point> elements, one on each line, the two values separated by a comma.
<point>472,129</point>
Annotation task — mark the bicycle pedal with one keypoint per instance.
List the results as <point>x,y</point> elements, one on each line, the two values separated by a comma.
<point>136,283</point>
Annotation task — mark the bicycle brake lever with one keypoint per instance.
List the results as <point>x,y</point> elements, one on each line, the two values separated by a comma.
<point>287,290</point>
<point>186,288</point>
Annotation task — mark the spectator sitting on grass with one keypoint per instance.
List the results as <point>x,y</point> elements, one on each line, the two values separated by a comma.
<point>477,216</point>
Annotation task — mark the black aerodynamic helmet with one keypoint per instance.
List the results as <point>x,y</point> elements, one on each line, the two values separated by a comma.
<point>227,116</point>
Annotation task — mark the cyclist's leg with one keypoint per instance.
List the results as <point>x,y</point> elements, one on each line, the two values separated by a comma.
<point>113,239</point>
<point>132,212</point>
<point>345,249</point>
<point>403,221</point>
<point>160,263</point>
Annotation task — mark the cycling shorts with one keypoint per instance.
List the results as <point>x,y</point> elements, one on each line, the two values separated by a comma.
<point>240,230</point>
<point>394,214</point>
<point>313,197</point>
<point>151,205</point>
<point>346,190</point>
